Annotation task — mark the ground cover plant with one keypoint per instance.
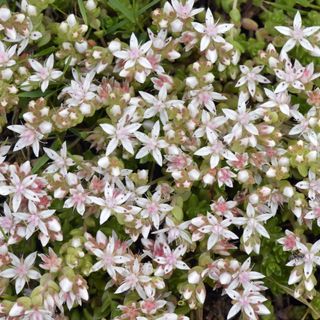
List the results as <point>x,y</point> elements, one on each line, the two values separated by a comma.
<point>159,160</point>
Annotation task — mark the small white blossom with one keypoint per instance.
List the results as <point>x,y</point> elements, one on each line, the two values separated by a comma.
<point>171,259</point>
<point>151,144</point>
<point>28,137</point>
<point>44,73</point>
<point>309,257</point>
<point>21,270</point>
<point>61,162</point>
<point>251,77</point>
<point>212,30</point>
<point>297,35</point>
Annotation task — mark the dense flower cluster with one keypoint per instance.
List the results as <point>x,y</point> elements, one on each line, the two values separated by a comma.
<point>185,177</point>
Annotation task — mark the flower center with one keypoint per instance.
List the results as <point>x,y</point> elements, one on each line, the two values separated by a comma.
<point>21,270</point>
<point>297,34</point>
<point>134,54</point>
<point>171,259</point>
<point>43,73</point>
<point>212,30</point>
<point>152,208</point>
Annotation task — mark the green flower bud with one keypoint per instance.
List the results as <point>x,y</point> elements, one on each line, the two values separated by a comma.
<point>235,15</point>
<point>178,213</point>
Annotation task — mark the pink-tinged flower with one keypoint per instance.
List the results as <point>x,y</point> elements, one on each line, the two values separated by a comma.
<point>6,55</point>
<point>61,162</point>
<point>216,150</point>
<point>79,198</point>
<point>109,254</point>
<point>209,125</point>
<point>129,311</point>
<point>44,73</point>
<point>8,221</point>
<point>224,177</point>
<point>170,260</point>
<point>314,213</point>
<point>221,207</point>
<point>21,270</point>
<point>162,80</point>
<point>290,77</point>
<point>185,10</point>
<point>253,225</point>
<point>312,185</point>
<point>37,314</point>
<point>122,133</point>
<point>73,291</point>
<point>81,91</point>
<point>20,188</point>
<point>251,77</point>
<point>112,202</point>
<point>211,31</point>
<point>133,57</point>
<point>28,137</point>
<point>153,209</point>
<point>175,231</point>
<point>244,276</point>
<point>280,101</point>
<point>204,97</point>
<point>151,305</point>
<point>215,227</point>
<point>297,35</point>
<point>51,261</point>
<point>310,256</point>
<point>242,119</point>
<point>249,302</point>
<point>160,41</point>
<point>152,144</point>
<point>158,105</point>
<point>35,220</point>
<point>136,276</point>
<point>289,241</point>
<point>308,73</point>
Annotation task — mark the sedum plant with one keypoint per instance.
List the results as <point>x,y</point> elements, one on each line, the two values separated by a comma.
<point>159,163</point>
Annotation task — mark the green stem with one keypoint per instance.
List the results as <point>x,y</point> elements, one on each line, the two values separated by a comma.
<point>199,314</point>
<point>235,4</point>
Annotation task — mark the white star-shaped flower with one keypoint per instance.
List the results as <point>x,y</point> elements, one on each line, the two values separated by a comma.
<point>297,35</point>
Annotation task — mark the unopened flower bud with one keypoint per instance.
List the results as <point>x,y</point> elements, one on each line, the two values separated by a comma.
<point>253,198</point>
<point>5,14</point>
<point>45,127</point>
<point>114,45</point>
<point>176,25</point>
<point>194,174</point>
<point>192,82</point>
<point>194,277</point>
<point>91,5</point>
<point>6,74</point>
<point>208,179</point>
<point>71,20</point>
<point>225,278</point>
<point>65,284</point>
<point>271,173</point>
<point>81,46</point>
<point>143,174</point>
<point>243,176</point>
<point>288,192</point>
